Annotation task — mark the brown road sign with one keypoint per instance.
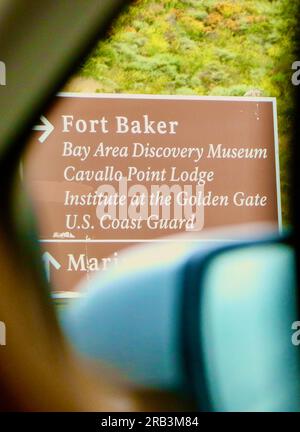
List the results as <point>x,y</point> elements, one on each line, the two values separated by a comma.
<point>105,171</point>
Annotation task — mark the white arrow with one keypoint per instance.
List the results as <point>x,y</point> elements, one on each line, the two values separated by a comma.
<point>48,260</point>
<point>47,128</point>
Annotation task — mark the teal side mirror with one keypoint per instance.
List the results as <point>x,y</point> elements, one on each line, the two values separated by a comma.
<point>239,341</point>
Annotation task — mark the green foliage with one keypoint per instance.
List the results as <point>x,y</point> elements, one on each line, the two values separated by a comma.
<point>203,47</point>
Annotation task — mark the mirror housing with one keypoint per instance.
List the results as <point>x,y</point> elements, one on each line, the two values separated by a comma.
<point>199,318</point>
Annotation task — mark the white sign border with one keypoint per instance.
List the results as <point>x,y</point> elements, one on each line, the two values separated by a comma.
<point>191,98</point>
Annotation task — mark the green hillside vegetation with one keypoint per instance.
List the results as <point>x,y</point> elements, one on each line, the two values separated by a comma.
<point>195,47</point>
